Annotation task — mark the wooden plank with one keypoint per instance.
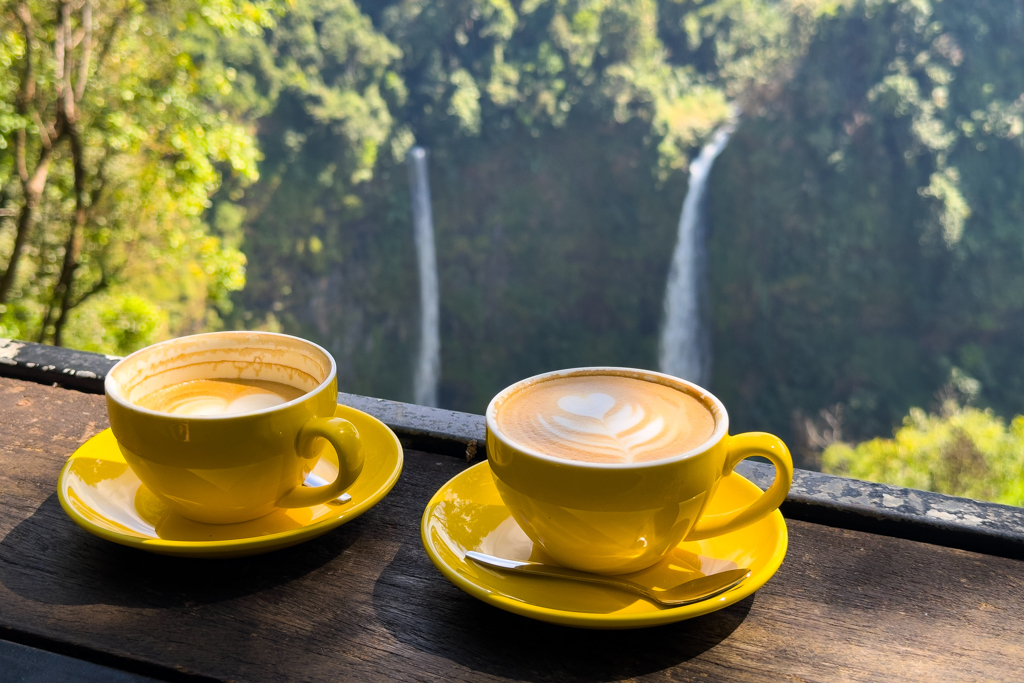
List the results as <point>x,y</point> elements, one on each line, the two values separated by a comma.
<point>814,497</point>
<point>51,365</point>
<point>363,602</point>
<point>26,664</point>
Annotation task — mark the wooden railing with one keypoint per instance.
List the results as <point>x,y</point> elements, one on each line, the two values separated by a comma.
<point>841,502</point>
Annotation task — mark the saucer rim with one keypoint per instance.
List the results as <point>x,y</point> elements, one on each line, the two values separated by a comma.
<point>235,547</point>
<point>655,617</point>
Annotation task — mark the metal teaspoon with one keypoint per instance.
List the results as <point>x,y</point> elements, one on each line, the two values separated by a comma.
<point>685,593</point>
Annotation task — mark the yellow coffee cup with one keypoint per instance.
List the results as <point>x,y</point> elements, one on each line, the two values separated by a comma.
<point>236,467</point>
<point>615,518</point>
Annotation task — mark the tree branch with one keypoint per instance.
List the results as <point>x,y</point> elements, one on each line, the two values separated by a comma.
<point>26,92</point>
<point>58,49</point>
<point>32,183</point>
<point>20,143</point>
<point>83,67</point>
<point>95,289</point>
<point>33,190</point>
<point>44,135</point>
<point>66,95</point>
<point>108,42</point>
<point>73,248</point>
<point>28,84</point>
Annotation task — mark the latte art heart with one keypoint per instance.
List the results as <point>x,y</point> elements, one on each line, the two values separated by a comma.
<point>593,405</point>
<point>605,418</point>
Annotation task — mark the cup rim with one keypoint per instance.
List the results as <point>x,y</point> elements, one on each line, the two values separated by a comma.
<point>718,411</point>
<point>108,381</point>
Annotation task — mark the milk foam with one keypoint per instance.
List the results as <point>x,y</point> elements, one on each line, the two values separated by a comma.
<point>605,418</point>
<point>219,397</point>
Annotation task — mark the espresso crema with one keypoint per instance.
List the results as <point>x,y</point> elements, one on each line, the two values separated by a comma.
<point>605,419</point>
<point>219,396</point>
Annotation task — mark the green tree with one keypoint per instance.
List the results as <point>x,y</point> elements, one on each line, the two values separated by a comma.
<point>962,451</point>
<point>867,221</point>
<point>486,68</point>
<point>111,140</point>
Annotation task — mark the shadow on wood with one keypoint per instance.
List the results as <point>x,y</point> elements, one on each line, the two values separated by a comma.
<point>80,569</point>
<point>424,611</point>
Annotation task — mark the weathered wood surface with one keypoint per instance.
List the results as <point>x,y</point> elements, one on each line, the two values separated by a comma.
<point>814,496</point>
<point>25,664</point>
<point>363,602</point>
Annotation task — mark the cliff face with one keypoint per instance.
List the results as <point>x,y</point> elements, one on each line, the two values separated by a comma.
<point>552,252</point>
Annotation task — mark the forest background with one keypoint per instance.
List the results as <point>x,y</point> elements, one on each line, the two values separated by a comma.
<point>187,165</point>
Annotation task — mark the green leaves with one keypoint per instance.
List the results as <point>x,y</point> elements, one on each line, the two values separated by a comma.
<point>476,68</point>
<point>116,324</point>
<point>867,222</point>
<point>159,127</point>
<point>962,452</point>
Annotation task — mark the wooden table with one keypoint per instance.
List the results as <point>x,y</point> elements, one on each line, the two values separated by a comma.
<point>364,602</point>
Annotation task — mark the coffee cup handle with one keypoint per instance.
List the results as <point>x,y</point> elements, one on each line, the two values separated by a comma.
<point>740,447</point>
<point>344,437</point>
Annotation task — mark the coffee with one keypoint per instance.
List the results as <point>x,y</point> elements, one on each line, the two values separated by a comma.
<point>605,419</point>
<point>219,396</point>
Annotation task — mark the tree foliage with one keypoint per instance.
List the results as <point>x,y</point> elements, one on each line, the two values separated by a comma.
<point>112,139</point>
<point>962,451</point>
<point>475,68</point>
<point>867,221</point>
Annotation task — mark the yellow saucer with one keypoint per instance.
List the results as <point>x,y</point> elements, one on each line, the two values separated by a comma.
<point>467,514</point>
<point>103,496</point>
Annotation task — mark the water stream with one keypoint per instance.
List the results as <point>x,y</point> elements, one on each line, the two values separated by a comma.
<point>428,360</point>
<point>685,346</point>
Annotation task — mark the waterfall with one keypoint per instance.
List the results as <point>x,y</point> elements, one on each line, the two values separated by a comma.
<point>685,346</point>
<point>428,361</point>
